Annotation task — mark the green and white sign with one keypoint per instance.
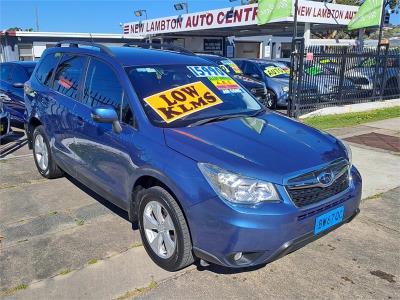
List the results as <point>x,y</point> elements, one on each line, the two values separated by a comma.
<point>368,15</point>
<point>269,10</point>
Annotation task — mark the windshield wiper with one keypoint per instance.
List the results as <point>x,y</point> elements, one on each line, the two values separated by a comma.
<point>224,117</point>
<point>216,119</point>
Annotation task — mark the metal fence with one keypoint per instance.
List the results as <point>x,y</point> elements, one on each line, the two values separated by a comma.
<point>326,76</point>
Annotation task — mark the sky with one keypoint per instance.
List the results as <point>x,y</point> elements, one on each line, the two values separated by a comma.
<point>101,16</point>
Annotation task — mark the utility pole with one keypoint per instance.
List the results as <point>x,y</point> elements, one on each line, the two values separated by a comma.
<point>37,18</point>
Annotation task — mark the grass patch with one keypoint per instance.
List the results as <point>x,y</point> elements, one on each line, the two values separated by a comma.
<point>92,261</point>
<point>79,221</point>
<point>138,291</point>
<point>64,272</point>
<point>352,119</point>
<point>52,213</point>
<point>12,291</point>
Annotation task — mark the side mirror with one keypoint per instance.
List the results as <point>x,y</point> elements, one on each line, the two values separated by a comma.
<point>18,85</point>
<point>107,114</point>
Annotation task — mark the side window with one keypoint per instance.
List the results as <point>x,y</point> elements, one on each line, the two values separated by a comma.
<point>251,69</point>
<point>19,75</point>
<point>46,68</point>
<point>102,87</point>
<point>68,73</point>
<point>5,72</point>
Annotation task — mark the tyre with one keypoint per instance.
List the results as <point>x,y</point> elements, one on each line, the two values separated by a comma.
<point>42,155</point>
<point>164,230</point>
<point>271,100</point>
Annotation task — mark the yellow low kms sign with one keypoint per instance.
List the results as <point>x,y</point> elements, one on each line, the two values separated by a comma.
<point>181,101</point>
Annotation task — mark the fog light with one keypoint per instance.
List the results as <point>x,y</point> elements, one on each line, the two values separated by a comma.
<point>238,256</point>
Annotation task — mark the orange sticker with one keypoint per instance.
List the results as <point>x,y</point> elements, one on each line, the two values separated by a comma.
<point>181,101</point>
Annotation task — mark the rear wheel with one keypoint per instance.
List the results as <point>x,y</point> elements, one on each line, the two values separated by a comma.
<point>164,230</point>
<point>44,161</point>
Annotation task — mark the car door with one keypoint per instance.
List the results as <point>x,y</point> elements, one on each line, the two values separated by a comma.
<point>16,93</point>
<point>60,101</point>
<point>104,156</point>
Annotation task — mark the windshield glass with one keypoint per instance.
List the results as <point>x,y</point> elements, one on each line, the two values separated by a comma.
<point>316,70</point>
<point>178,95</point>
<point>275,70</point>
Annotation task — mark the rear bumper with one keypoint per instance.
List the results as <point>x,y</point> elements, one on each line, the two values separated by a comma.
<point>263,233</point>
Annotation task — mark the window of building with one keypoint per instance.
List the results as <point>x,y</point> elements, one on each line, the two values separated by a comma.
<point>68,74</point>
<point>25,52</point>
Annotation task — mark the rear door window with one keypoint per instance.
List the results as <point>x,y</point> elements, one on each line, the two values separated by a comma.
<point>5,72</point>
<point>46,68</point>
<point>102,87</point>
<point>68,74</point>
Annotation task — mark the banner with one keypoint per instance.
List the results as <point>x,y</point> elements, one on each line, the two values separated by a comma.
<point>269,10</point>
<point>369,14</point>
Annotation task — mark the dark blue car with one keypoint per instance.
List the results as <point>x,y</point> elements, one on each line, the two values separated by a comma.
<point>205,169</point>
<point>12,78</point>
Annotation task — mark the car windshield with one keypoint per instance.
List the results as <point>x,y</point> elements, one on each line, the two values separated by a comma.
<point>178,95</point>
<point>275,70</point>
<point>315,70</point>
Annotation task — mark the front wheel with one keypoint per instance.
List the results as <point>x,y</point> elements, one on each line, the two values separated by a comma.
<point>164,230</point>
<point>44,160</point>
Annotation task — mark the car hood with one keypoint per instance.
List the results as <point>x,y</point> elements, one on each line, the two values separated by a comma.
<point>270,147</point>
<point>280,81</point>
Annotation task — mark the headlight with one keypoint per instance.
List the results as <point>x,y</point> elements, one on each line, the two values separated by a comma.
<point>347,149</point>
<point>253,91</point>
<point>236,188</point>
<point>285,89</point>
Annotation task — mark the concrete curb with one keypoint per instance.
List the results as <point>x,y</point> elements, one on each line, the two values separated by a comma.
<point>359,107</point>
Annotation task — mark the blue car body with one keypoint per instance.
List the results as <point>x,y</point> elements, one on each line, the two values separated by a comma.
<point>268,147</point>
<point>13,76</point>
<point>279,86</point>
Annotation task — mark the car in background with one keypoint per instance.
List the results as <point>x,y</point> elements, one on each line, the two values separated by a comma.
<point>5,126</point>
<point>13,75</point>
<point>254,86</point>
<point>326,81</point>
<point>273,75</point>
<point>363,75</point>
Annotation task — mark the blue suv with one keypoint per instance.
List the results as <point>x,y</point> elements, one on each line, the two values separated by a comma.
<point>206,171</point>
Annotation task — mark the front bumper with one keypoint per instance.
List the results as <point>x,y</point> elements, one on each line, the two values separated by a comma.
<point>263,233</point>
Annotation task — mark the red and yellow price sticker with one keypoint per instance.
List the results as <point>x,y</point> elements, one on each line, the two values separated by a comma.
<point>181,101</point>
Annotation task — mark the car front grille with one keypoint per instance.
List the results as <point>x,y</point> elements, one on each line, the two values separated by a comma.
<point>304,189</point>
<point>258,92</point>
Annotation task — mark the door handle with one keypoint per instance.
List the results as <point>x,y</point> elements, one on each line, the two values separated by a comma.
<point>79,121</point>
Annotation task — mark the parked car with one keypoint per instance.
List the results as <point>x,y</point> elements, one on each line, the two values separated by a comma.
<point>326,81</point>
<point>256,87</point>
<point>275,78</point>
<point>5,120</point>
<point>363,75</point>
<point>207,174</point>
<point>12,78</point>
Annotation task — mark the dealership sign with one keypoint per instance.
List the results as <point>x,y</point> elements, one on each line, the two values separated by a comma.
<point>244,15</point>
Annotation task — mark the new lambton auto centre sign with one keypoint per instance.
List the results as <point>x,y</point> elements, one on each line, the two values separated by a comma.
<point>309,11</point>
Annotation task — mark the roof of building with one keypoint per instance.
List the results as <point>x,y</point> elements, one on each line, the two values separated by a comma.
<point>62,34</point>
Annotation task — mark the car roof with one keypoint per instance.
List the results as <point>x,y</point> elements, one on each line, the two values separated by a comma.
<point>256,60</point>
<point>135,56</point>
<point>26,64</point>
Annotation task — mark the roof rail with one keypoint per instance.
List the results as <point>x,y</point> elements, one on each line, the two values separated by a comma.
<point>76,44</point>
<point>159,47</point>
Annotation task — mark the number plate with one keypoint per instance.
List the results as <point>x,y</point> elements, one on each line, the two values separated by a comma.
<point>329,219</point>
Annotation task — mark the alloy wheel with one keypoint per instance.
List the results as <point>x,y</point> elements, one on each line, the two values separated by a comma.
<point>41,152</point>
<point>159,229</point>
